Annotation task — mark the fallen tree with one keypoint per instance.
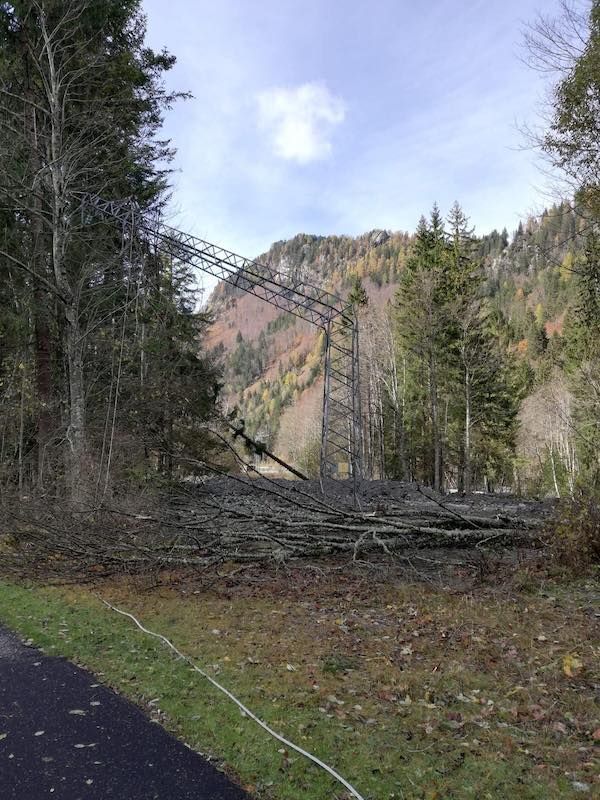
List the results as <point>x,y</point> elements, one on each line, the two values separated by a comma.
<point>231,518</point>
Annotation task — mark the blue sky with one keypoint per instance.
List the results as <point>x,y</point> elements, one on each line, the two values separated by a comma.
<point>339,116</point>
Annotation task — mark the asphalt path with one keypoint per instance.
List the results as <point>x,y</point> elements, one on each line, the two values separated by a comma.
<point>63,735</point>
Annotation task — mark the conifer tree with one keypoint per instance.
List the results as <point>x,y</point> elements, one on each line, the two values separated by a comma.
<point>456,361</point>
<point>583,359</point>
<point>423,321</point>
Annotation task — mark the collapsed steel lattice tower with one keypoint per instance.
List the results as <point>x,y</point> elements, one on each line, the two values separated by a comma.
<point>341,427</point>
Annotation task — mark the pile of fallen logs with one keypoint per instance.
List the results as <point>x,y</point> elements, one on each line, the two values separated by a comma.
<point>205,522</point>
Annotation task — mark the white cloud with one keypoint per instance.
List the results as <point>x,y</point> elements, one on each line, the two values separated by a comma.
<point>300,121</point>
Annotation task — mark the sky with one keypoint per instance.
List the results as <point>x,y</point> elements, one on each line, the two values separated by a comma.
<point>340,116</point>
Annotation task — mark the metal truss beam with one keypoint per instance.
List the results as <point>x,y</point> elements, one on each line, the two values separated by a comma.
<point>341,433</point>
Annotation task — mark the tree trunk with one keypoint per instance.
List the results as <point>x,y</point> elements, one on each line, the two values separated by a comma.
<point>467,444</point>
<point>553,465</point>
<point>404,468</point>
<point>76,440</point>
<point>44,381</point>
<point>381,433</point>
<point>435,426</point>
<point>41,303</point>
<point>21,431</point>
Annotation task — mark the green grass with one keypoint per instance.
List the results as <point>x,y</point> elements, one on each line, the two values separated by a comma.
<point>408,691</point>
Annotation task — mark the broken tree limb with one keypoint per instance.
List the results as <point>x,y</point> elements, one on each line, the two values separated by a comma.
<point>260,449</point>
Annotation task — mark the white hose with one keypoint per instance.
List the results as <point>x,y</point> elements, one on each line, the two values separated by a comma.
<point>240,705</point>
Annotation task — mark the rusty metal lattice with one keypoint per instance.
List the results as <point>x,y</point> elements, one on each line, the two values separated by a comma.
<point>341,425</point>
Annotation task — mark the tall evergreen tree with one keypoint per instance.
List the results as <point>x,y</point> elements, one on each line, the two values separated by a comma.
<point>459,380</point>
<point>422,327</point>
<point>582,351</point>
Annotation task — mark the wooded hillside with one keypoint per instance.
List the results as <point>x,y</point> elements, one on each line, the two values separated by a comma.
<point>521,297</point>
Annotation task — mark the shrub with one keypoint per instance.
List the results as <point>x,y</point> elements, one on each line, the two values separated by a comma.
<point>574,532</point>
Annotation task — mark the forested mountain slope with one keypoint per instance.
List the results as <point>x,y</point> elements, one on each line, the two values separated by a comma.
<point>273,360</point>
<point>526,281</point>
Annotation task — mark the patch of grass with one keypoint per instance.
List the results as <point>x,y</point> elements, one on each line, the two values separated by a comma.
<point>410,691</point>
<point>338,662</point>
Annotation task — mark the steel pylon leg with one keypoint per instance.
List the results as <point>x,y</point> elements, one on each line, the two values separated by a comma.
<point>341,439</point>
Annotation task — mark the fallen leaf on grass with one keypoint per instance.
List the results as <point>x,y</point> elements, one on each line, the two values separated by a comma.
<point>537,712</point>
<point>559,727</point>
<point>572,665</point>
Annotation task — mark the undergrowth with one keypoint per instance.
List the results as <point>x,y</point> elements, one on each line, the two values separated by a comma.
<point>574,533</point>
